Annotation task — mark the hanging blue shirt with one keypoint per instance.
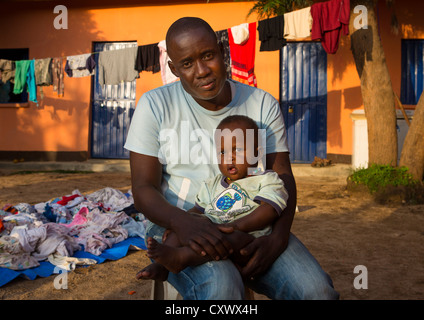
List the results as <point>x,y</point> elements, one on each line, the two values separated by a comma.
<point>30,80</point>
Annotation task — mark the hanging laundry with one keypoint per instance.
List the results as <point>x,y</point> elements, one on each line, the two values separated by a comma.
<point>271,33</point>
<point>81,65</point>
<point>57,76</point>
<point>7,70</point>
<point>328,20</point>
<point>32,88</point>
<point>298,24</point>
<point>240,33</point>
<point>21,71</point>
<point>167,75</point>
<point>222,37</point>
<point>43,72</point>
<point>116,66</point>
<point>25,75</point>
<point>243,55</point>
<point>147,58</point>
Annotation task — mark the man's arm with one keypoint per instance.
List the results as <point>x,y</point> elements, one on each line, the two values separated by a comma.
<point>275,243</point>
<point>200,234</point>
<point>281,164</point>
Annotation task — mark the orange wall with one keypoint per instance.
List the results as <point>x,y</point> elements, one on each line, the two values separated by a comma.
<point>343,84</point>
<point>344,96</point>
<point>63,124</point>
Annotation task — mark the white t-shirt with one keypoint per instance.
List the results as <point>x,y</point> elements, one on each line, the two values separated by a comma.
<point>170,125</point>
<point>224,202</point>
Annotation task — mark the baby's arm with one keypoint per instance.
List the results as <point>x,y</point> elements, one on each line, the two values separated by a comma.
<point>272,196</point>
<point>195,210</point>
<point>261,217</point>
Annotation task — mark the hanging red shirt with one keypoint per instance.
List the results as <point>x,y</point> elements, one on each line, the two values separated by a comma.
<point>329,19</point>
<point>243,57</point>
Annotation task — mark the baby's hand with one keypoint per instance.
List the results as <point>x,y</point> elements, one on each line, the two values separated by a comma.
<point>230,225</point>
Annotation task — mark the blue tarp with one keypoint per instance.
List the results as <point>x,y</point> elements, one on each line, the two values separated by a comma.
<point>45,269</point>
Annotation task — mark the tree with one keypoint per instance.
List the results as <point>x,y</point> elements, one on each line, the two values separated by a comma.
<point>376,85</point>
<point>412,155</point>
<point>378,97</point>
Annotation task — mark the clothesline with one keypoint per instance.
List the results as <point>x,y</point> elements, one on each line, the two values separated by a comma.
<point>69,55</point>
<point>293,25</point>
<point>322,21</point>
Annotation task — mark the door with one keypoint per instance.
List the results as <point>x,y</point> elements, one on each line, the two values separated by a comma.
<point>112,110</point>
<point>303,96</point>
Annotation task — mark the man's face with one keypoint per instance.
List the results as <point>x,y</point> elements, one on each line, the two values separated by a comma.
<point>197,61</point>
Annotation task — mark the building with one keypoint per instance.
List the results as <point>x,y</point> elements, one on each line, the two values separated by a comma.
<point>84,123</point>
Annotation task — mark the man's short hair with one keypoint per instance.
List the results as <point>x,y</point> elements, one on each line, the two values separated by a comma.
<point>187,24</point>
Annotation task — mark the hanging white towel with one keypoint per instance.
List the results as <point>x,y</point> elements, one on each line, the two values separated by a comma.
<point>298,24</point>
<point>240,33</point>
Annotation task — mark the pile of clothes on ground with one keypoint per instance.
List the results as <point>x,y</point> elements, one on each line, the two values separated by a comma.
<point>55,230</point>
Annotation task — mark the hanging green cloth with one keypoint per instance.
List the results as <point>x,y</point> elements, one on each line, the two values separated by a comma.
<point>21,70</point>
<point>25,74</point>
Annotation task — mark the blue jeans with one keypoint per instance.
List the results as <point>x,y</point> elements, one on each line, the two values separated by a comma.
<point>295,275</point>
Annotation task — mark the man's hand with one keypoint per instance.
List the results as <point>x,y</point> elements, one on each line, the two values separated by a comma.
<point>263,251</point>
<point>203,236</point>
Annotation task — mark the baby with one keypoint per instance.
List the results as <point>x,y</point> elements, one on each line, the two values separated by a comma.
<point>242,197</point>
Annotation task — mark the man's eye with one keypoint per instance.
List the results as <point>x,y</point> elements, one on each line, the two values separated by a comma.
<point>208,56</point>
<point>187,64</point>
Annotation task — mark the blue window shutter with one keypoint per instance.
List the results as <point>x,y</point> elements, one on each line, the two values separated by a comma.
<point>412,73</point>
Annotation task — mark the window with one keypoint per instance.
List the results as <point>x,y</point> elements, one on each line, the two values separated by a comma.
<point>412,71</point>
<point>6,89</point>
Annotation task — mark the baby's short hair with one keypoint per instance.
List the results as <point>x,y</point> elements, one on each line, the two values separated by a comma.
<point>251,124</point>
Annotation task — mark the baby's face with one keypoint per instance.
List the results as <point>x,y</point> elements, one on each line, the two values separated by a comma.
<point>233,151</point>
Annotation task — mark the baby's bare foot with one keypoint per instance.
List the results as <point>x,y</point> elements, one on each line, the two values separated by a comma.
<point>155,271</point>
<point>169,257</point>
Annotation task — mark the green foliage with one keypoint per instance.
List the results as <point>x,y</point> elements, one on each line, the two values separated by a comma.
<point>377,177</point>
<point>268,8</point>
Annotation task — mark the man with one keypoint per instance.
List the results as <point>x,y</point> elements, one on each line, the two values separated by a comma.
<point>170,142</point>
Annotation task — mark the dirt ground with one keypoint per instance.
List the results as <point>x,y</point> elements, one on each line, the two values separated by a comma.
<point>341,230</point>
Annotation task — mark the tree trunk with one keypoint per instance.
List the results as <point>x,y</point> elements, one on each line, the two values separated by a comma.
<point>412,155</point>
<point>376,87</point>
